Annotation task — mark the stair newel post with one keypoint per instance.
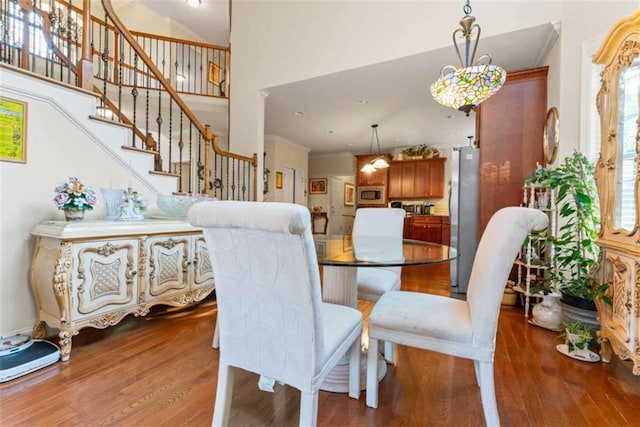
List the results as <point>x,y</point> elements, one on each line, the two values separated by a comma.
<point>26,7</point>
<point>85,64</point>
<point>255,177</point>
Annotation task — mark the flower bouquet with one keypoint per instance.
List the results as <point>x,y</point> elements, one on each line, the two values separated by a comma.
<point>73,195</point>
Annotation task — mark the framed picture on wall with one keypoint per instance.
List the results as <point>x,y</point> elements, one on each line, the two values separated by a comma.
<point>318,186</point>
<point>278,179</point>
<point>214,73</point>
<point>349,194</point>
<point>13,130</point>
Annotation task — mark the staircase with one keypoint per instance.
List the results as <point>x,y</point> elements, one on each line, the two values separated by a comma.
<point>134,78</point>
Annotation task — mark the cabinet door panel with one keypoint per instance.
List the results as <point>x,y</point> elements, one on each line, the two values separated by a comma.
<point>202,270</point>
<point>105,276</point>
<point>168,265</point>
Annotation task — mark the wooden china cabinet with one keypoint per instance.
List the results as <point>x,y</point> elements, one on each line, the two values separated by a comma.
<point>618,181</point>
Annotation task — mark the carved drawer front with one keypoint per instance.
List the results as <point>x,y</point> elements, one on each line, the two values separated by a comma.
<point>624,314</point>
<point>202,270</point>
<point>104,277</point>
<point>168,265</point>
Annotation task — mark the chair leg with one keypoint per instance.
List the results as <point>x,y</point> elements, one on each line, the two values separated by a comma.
<point>224,393</point>
<point>372,374</point>
<point>216,337</point>
<point>354,369</point>
<point>309,409</point>
<point>476,368</point>
<point>388,352</point>
<point>488,394</point>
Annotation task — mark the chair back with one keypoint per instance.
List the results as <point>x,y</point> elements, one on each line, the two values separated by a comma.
<point>379,222</point>
<point>267,286</point>
<point>502,239</point>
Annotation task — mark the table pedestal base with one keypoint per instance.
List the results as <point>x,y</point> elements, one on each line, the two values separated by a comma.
<point>338,380</point>
<point>340,287</point>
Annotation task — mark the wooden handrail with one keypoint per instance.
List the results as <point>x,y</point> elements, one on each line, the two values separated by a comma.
<point>208,135</point>
<point>140,33</point>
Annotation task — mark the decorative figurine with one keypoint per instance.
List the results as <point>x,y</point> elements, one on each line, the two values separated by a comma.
<point>133,207</point>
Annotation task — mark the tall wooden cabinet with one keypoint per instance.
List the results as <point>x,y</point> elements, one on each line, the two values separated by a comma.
<point>509,131</point>
<point>618,181</point>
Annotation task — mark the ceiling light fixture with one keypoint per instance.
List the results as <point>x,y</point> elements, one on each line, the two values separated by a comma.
<point>194,3</point>
<point>180,78</point>
<point>466,87</point>
<point>378,162</point>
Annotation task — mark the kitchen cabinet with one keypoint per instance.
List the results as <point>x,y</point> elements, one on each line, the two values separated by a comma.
<point>416,179</point>
<point>94,273</point>
<point>377,178</point>
<point>428,228</point>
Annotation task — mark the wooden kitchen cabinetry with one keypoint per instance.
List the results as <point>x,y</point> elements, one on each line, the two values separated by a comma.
<point>428,228</point>
<point>94,273</point>
<point>377,178</point>
<point>416,179</point>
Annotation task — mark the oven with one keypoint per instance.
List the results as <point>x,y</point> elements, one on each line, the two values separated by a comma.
<point>371,196</point>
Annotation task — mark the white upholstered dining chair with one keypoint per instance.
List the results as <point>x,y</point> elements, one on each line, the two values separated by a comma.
<point>271,317</point>
<point>373,282</point>
<point>459,328</point>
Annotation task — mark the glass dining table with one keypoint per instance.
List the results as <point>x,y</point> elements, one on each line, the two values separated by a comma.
<point>342,255</point>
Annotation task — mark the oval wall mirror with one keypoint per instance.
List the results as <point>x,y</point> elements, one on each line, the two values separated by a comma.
<point>551,135</point>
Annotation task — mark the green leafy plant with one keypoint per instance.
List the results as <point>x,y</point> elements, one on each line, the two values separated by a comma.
<point>575,249</point>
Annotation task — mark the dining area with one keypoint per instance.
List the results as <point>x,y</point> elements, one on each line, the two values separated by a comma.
<point>162,370</point>
<point>277,320</point>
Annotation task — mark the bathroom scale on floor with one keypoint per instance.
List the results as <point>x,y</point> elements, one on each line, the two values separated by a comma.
<point>20,355</point>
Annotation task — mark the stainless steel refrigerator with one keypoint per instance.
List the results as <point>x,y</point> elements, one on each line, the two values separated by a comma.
<point>463,211</point>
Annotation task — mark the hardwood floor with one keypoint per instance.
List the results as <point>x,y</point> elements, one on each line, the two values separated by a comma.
<point>161,371</point>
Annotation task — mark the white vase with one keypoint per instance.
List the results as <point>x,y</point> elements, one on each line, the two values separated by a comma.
<point>113,200</point>
<point>547,313</point>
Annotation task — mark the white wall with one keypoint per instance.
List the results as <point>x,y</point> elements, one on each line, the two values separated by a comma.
<point>276,42</point>
<point>581,20</point>
<point>282,153</point>
<point>57,148</point>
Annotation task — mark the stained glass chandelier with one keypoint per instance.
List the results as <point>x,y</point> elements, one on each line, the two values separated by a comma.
<point>378,162</point>
<point>466,87</point>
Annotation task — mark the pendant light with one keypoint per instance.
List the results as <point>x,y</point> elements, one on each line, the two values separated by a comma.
<point>466,87</point>
<point>378,162</point>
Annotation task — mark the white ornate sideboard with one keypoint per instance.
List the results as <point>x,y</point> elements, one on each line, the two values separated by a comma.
<point>94,273</point>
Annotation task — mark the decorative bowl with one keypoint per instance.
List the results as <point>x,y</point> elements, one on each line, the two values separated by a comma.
<point>175,205</point>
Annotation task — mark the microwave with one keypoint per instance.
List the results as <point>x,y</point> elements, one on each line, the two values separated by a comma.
<point>371,196</point>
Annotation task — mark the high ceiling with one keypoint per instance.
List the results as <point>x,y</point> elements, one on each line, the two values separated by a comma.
<point>334,113</point>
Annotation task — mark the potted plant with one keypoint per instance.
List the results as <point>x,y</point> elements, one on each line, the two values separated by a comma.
<point>578,337</point>
<point>575,249</point>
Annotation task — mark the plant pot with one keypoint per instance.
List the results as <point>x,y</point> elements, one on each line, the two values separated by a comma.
<point>574,308</point>
<point>73,214</point>
<point>509,297</point>
<point>548,313</point>
<point>574,342</point>
<point>578,302</point>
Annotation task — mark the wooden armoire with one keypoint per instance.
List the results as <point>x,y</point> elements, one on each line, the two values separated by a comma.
<point>509,132</point>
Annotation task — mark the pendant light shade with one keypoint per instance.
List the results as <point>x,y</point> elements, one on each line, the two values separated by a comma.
<point>466,87</point>
<point>378,162</point>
